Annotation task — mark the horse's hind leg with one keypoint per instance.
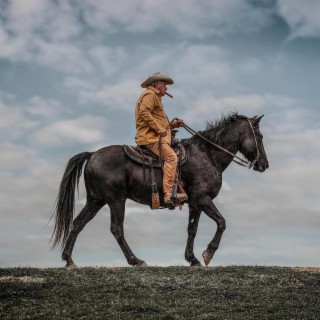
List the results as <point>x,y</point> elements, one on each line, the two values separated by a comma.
<point>87,213</point>
<point>117,210</point>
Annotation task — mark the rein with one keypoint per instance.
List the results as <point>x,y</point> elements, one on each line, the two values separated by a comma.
<point>244,163</point>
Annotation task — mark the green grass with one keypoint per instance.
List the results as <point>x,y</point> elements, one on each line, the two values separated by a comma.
<point>235,292</point>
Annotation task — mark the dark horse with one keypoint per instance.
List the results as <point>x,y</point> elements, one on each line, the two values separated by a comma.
<point>111,178</point>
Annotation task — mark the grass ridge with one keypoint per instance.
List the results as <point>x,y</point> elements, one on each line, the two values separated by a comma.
<point>232,292</point>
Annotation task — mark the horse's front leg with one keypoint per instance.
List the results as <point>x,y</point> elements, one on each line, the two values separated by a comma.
<point>194,216</point>
<point>210,209</point>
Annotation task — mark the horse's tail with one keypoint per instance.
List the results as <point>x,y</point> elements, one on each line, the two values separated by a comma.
<point>64,208</point>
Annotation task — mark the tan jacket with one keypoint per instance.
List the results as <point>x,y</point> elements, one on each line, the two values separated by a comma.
<point>151,118</point>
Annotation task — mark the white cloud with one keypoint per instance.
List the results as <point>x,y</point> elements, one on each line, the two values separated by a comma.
<point>52,34</point>
<point>40,106</point>
<point>55,21</point>
<point>293,119</point>
<point>13,123</point>
<point>27,10</point>
<point>41,32</point>
<point>198,64</point>
<point>202,64</point>
<point>118,96</point>
<point>250,65</point>
<point>288,114</point>
<point>205,108</point>
<point>18,122</point>
<point>6,96</point>
<point>11,47</point>
<point>269,248</point>
<point>280,101</point>
<point>296,147</point>
<point>85,129</point>
<point>14,156</point>
<point>109,59</point>
<point>302,18</point>
<point>66,57</point>
<point>79,84</point>
<point>192,18</point>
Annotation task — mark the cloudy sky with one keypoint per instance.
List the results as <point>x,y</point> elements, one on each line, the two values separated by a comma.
<point>70,74</point>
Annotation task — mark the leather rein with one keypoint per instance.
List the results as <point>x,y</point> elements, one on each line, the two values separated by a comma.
<point>241,162</point>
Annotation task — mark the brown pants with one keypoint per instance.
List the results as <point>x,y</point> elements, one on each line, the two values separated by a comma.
<point>170,163</point>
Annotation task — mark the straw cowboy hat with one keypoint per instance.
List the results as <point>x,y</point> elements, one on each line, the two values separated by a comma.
<point>158,76</point>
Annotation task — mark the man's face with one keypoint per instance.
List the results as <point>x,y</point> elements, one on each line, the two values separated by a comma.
<point>162,87</point>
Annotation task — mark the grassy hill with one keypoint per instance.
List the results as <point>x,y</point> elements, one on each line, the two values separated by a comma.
<point>235,292</point>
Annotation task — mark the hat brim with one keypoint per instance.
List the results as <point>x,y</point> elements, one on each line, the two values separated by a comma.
<point>157,77</point>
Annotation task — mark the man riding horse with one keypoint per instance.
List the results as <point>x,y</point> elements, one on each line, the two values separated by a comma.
<point>154,130</point>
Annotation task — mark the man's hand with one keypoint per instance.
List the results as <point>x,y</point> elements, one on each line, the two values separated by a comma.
<point>177,123</point>
<point>163,133</point>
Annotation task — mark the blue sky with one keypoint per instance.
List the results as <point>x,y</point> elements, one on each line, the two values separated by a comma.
<point>70,74</point>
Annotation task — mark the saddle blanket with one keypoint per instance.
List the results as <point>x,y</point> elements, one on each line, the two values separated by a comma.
<point>142,155</point>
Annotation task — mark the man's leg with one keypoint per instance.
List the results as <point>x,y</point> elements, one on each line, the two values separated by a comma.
<point>169,168</point>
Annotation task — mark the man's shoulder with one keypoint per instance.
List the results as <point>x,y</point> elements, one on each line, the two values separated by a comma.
<point>147,92</point>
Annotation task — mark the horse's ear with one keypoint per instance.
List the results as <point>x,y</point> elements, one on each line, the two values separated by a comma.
<point>255,120</point>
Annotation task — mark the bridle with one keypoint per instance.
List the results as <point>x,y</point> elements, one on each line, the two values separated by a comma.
<point>241,162</point>
<point>256,142</point>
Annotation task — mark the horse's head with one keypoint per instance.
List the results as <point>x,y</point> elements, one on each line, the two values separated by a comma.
<point>252,146</point>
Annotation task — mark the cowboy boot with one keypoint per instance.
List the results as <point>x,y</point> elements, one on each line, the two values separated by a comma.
<point>176,199</point>
<point>182,197</point>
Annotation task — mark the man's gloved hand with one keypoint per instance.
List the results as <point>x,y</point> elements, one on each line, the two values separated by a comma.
<point>177,123</point>
<point>163,133</point>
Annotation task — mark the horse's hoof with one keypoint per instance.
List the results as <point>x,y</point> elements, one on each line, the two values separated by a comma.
<point>207,256</point>
<point>70,266</point>
<point>142,264</point>
<point>196,264</point>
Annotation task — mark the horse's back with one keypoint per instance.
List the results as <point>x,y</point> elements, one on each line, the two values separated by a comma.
<point>106,160</point>
<point>108,152</point>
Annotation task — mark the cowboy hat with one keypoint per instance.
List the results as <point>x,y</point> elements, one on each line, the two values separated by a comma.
<point>158,76</point>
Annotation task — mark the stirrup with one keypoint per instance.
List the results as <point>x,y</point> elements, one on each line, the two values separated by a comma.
<point>171,205</point>
<point>180,197</point>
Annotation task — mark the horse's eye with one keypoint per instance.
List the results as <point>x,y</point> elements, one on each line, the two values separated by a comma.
<point>259,136</point>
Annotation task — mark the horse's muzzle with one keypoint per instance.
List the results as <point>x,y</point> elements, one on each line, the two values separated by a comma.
<point>261,166</point>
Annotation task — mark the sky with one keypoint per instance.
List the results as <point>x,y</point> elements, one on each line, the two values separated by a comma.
<point>70,74</point>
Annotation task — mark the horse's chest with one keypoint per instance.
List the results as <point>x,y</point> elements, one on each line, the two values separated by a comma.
<point>208,182</point>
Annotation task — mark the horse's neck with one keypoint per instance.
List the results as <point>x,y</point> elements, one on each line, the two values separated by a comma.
<point>221,158</point>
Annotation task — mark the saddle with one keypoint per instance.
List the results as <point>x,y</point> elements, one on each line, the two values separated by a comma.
<point>143,156</point>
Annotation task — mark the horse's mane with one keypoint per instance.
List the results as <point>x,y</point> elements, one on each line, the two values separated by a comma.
<point>216,129</point>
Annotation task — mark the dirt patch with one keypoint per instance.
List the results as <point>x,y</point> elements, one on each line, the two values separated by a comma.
<point>24,279</point>
<point>308,269</point>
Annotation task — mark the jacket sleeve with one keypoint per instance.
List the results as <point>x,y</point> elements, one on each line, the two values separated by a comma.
<point>147,105</point>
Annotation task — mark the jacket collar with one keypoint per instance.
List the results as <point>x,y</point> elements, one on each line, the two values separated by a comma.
<point>156,91</point>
